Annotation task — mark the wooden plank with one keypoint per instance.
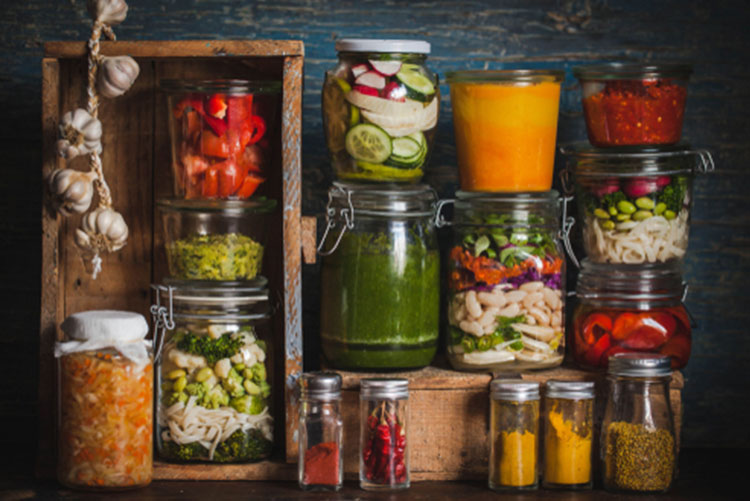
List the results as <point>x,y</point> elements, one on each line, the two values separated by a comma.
<point>265,470</point>
<point>180,49</point>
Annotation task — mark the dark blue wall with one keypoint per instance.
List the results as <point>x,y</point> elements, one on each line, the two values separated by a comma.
<point>464,34</point>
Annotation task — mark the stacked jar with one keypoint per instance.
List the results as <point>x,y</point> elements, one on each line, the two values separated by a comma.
<point>214,375</point>
<point>380,260</point>
<point>633,187</point>
<point>506,266</point>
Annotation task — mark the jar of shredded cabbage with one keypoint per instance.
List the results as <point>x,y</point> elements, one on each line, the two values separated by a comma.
<point>105,401</point>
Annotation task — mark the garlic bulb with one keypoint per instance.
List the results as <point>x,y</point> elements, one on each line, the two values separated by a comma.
<point>80,134</point>
<point>73,190</point>
<point>102,230</point>
<point>108,11</point>
<point>116,75</point>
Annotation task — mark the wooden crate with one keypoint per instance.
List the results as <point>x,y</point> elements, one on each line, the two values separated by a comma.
<point>136,163</point>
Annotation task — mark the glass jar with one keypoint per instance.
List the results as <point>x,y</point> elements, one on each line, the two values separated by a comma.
<point>220,134</point>
<point>623,308</point>
<point>638,439</point>
<point>105,398</point>
<point>380,278</point>
<point>380,110</point>
<point>506,274</point>
<point>384,424</point>
<point>321,444</point>
<point>505,123</point>
<point>568,434</point>
<point>212,240</point>
<point>514,435</point>
<point>634,206</point>
<point>215,374</point>
<point>633,104</point>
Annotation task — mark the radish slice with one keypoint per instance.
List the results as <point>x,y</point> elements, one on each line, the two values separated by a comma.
<point>358,69</point>
<point>395,92</point>
<point>367,91</point>
<point>387,68</point>
<point>371,79</point>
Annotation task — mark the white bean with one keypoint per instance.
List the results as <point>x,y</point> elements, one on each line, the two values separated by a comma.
<point>511,310</point>
<point>515,296</point>
<point>531,299</point>
<point>531,320</point>
<point>556,319</point>
<point>496,299</point>
<point>489,329</point>
<point>531,286</point>
<point>471,327</point>
<point>472,305</point>
<point>539,316</point>
<point>550,297</point>
<point>488,317</point>
<point>222,368</point>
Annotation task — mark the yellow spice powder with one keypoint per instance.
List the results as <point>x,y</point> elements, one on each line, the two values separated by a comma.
<point>567,458</point>
<point>517,458</point>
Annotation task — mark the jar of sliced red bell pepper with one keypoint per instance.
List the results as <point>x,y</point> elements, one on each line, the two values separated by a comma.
<point>633,104</point>
<point>219,135</point>
<point>630,308</point>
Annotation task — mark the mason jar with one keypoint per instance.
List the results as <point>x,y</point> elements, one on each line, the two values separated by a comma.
<point>634,206</point>
<point>638,446</point>
<point>630,308</point>
<point>214,376</point>
<point>105,399</point>
<point>506,282</point>
<point>380,110</point>
<point>380,278</point>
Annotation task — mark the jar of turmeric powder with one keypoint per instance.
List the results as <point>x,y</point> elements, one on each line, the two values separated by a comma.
<point>568,434</point>
<point>514,435</point>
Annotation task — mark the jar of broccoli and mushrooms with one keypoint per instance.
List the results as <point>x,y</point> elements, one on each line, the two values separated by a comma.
<point>214,392</point>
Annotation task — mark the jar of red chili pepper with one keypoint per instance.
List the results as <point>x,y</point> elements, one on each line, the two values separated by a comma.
<point>220,133</point>
<point>384,456</point>
<point>320,465</point>
<point>633,104</point>
<point>626,308</point>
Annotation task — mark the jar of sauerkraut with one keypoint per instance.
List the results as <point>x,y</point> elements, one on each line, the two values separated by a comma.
<point>634,204</point>
<point>105,401</point>
<point>213,379</point>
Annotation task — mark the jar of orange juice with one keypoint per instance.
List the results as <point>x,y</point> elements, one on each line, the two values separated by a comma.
<point>505,125</point>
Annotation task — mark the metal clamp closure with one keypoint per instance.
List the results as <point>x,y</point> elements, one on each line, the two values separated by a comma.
<point>565,181</point>
<point>440,221</point>
<point>163,318</point>
<point>347,213</point>
<point>567,225</point>
<point>706,161</point>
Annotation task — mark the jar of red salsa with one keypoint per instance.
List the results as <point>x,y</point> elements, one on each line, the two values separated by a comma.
<point>633,104</point>
<point>627,308</point>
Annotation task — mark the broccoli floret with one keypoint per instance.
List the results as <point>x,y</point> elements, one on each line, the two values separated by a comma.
<point>195,390</point>
<point>215,398</point>
<point>233,384</point>
<point>172,397</point>
<point>212,350</point>
<point>259,372</point>
<point>183,452</point>
<point>243,446</point>
<point>265,389</point>
<point>248,404</point>
<point>674,194</point>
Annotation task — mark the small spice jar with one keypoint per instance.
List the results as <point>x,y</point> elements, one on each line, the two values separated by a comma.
<point>638,439</point>
<point>384,456</point>
<point>320,464</point>
<point>514,435</point>
<point>568,434</point>
<point>105,398</point>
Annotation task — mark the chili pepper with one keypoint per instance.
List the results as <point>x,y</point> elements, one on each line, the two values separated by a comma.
<point>385,448</point>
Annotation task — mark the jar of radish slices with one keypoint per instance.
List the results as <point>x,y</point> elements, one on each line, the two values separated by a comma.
<point>380,110</point>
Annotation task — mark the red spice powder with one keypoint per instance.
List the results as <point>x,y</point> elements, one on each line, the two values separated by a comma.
<point>322,464</point>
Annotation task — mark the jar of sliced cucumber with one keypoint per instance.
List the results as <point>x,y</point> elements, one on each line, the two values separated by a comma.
<point>380,110</point>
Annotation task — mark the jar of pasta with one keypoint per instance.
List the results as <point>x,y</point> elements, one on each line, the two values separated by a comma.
<point>637,438</point>
<point>626,308</point>
<point>214,391</point>
<point>634,205</point>
<point>105,401</point>
<point>568,434</point>
<point>514,435</point>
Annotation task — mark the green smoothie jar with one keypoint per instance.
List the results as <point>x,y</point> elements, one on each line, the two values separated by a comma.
<point>380,278</point>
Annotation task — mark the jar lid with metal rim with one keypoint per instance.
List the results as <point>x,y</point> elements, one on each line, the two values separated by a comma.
<point>516,390</point>
<point>209,299</point>
<point>385,388</point>
<point>247,207</point>
<point>509,210</point>
<point>573,390</point>
<point>523,76</point>
<point>382,46</point>
<point>320,385</point>
<point>632,71</point>
<point>411,200</point>
<point>229,86</point>
<point>640,365</point>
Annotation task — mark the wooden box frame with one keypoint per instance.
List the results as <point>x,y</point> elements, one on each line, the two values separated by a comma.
<point>136,164</point>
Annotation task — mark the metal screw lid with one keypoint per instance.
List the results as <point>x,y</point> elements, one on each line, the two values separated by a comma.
<point>573,390</point>
<point>640,365</point>
<point>320,385</point>
<point>393,388</point>
<point>514,389</point>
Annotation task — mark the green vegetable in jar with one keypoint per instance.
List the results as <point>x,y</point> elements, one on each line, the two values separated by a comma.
<point>212,350</point>
<point>229,256</point>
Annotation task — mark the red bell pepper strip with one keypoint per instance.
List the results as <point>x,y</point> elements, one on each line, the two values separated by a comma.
<point>259,129</point>
<point>229,178</point>
<point>625,323</point>
<point>249,185</point>
<point>213,145</point>
<point>594,354</point>
<point>217,105</point>
<point>188,102</point>
<point>210,186</point>
<point>595,326</point>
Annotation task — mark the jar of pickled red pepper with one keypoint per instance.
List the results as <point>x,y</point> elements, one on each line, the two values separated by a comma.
<point>380,110</point>
<point>384,425</point>
<point>105,399</point>
<point>630,308</point>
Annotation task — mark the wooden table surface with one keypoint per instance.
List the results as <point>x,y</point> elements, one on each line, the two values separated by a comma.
<point>704,474</point>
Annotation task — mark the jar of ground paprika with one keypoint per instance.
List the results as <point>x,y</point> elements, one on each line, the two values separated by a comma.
<point>320,463</point>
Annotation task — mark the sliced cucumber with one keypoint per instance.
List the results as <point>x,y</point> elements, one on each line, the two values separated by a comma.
<point>418,85</point>
<point>419,137</point>
<point>382,172</point>
<point>406,148</point>
<point>369,143</point>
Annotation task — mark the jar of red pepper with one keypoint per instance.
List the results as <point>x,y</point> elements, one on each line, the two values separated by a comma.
<point>630,308</point>
<point>384,456</point>
<point>320,463</point>
<point>633,104</point>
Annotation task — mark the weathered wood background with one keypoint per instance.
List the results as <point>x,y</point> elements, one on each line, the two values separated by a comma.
<point>464,34</point>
